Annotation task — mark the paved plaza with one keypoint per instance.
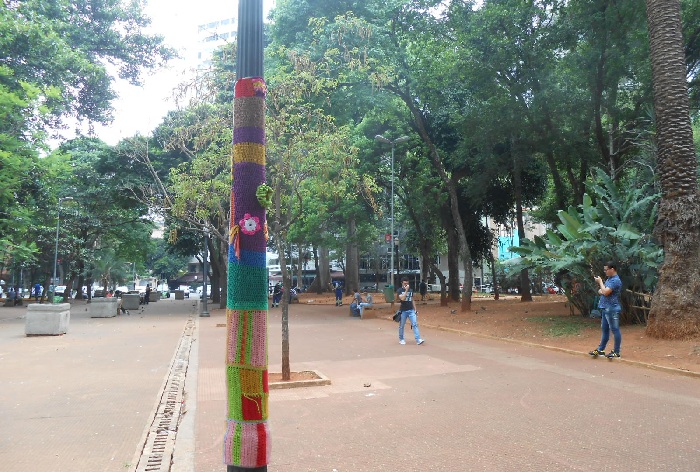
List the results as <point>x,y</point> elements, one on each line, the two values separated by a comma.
<point>146,392</point>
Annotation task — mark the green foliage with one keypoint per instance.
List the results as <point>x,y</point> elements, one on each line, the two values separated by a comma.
<point>66,46</point>
<point>614,222</point>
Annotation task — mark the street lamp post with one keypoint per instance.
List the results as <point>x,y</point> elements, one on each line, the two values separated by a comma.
<point>55,256</point>
<point>393,143</point>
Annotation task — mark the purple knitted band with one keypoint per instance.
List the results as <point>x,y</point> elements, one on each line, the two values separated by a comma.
<point>249,134</point>
<point>245,174</point>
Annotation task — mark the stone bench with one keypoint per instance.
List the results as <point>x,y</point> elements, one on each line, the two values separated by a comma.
<point>47,319</point>
<point>103,307</point>
<point>131,301</point>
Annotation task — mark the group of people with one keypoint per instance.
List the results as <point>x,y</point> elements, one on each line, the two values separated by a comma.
<point>360,302</point>
<point>608,289</point>
<point>278,291</point>
<point>14,294</point>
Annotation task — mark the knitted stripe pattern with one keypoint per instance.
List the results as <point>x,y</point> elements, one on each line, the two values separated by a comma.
<point>247,438</point>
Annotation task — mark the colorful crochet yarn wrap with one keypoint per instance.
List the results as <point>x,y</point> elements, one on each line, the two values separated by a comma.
<point>247,439</point>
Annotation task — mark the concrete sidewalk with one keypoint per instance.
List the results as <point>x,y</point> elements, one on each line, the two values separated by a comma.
<point>83,401</point>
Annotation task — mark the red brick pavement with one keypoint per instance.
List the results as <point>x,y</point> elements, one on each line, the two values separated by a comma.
<point>456,403</point>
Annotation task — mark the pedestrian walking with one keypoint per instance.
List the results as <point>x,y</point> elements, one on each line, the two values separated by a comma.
<point>408,310</point>
<point>610,309</point>
<point>147,295</point>
<point>423,289</point>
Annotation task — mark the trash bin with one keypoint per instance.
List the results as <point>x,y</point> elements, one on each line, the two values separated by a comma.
<point>389,293</point>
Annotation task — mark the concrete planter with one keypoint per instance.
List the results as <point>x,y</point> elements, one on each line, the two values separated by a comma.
<point>179,294</point>
<point>130,301</point>
<point>47,320</point>
<point>103,307</point>
<point>154,296</point>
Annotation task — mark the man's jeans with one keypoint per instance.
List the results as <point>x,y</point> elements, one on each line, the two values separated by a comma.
<point>414,321</point>
<point>362,306</point>
<point>610,320</point>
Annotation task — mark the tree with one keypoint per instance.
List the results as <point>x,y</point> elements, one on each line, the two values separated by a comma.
<point>675,311</point>
<point>64,48</point>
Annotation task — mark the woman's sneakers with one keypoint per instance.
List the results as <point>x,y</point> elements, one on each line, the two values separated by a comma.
<point>613,355</point>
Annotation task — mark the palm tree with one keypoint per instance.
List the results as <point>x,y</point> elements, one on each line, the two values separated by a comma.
<point>676,309</point>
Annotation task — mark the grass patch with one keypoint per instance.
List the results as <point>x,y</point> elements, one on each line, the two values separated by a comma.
<point>561,325</point>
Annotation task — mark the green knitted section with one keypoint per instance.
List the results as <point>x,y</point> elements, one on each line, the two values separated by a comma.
<point>247,287</point>
<point>247,393</point>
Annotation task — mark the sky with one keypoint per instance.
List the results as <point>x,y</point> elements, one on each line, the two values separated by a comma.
<point>138,110</point>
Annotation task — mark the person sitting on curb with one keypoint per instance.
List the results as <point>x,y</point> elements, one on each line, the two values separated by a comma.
<point>369,301</point>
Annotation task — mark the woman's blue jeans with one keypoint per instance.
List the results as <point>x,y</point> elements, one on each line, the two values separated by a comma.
<point>414,321</point>
<point>610,321</point>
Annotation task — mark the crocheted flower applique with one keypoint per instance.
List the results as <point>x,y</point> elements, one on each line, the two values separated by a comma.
<point>260,88</point>
<point>250,224</point>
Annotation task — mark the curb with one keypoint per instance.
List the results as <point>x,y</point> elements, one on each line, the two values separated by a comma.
<point>320,381</point>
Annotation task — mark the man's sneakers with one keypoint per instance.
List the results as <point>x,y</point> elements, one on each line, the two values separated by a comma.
<point>402,341</point>
<point>611,355</point>
<point>420,341</point>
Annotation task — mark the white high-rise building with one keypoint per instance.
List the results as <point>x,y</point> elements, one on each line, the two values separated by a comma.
<point>212,35</point>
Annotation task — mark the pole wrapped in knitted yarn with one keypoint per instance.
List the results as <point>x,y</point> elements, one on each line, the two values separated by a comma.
<point>247,439</point>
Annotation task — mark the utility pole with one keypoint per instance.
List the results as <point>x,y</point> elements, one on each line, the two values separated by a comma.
<point>247,443</point>
<point>393,143</point>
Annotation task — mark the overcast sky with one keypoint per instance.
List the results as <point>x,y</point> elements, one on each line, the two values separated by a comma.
<point>141,109</point>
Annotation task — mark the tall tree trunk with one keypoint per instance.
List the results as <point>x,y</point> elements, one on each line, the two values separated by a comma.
<point>451,186</point>
<point>324,267</point>
<point>287,284</point>
<point>675,312</point>
<point>300,267</point>
<point>352,259</point>
<point>215,266</point>
<point>525,295</point>
<point>452,263</point>
<point>222,256</point>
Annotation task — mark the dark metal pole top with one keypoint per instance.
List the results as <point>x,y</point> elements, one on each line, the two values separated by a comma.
<point>250,39</point>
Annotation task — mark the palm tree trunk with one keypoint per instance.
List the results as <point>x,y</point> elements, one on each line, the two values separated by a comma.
<point>675,312</point>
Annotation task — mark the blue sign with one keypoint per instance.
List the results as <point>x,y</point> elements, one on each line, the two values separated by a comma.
<point>504,242</point>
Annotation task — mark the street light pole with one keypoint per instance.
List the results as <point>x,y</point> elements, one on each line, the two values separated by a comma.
<point>55,256</point>
<point>393,143</point>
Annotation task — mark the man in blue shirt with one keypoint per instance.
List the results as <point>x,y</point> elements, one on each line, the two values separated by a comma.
<point>610,309</point>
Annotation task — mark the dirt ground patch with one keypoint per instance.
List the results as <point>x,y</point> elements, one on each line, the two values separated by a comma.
<point>546,321</point>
